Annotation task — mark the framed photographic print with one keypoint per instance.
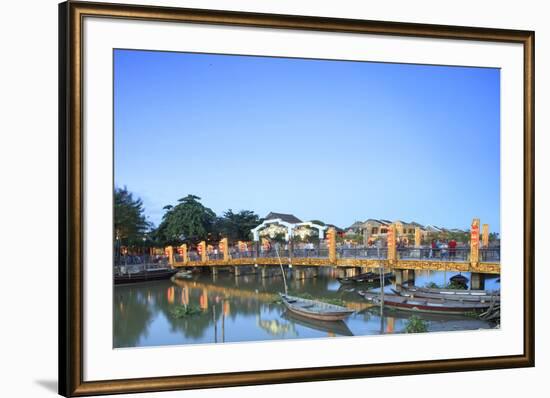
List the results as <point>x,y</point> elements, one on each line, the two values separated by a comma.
<point>254,198</point>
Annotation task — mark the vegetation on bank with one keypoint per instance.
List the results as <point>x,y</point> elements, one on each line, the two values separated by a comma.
<point>130,224</point>
<point>188,221</point>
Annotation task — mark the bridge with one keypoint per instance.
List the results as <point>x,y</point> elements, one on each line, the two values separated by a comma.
<point>478,258</point>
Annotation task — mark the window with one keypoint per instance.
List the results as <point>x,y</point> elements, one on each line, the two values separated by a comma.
<point>374,230</point>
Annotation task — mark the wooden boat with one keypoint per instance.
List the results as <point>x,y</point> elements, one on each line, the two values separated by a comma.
<point>426,305</point>
<point>314,309</point>
<point>449,294</point>
<point>184,274</point>
<point>144,275</point>
<point>367,277</point>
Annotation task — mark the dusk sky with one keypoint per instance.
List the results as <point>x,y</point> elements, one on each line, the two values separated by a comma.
<point>338,141</point>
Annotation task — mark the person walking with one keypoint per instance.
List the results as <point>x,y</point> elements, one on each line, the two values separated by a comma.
<point>452,249</point>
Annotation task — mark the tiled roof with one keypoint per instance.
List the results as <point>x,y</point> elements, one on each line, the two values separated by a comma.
<point>289,218</point>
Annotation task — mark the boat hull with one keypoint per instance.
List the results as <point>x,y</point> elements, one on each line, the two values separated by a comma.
<point>324,315</point>
<point>460,296</point>
<point>431,309</point>
<point>144,276</point>
<point>426,305</point>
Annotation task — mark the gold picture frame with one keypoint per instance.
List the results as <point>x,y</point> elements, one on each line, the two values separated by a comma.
<point>71,16</point>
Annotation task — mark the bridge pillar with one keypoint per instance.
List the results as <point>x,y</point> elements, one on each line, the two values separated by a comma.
<point>263,273</point>
<point>417,237</point>
<point>202,250</point>
<point>183,252</point>
<point>350,272</point>
<point>237,271</point>
<point>169,251</point>
<point>315,272</point>
<point>331,238</point>
<point>299,274</point>
<point>214,270</point>
<point>398,276</point>
<point>364,270</point>
<point>392,247</point>
<point>477,281</point>
<point>474,242</point>
<point>410,277</point>
<point>485,235</point>
<point>224,247</point>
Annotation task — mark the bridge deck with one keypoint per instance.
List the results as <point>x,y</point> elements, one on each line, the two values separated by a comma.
<point>418,264</point>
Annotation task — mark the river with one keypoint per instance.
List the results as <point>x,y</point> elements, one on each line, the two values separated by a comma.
<point>245,308</point>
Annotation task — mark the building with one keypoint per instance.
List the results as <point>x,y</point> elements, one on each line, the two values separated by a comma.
<point>376,229</point>
<point>355,228</point>
<point>433,230</point>
<point>287,225</point>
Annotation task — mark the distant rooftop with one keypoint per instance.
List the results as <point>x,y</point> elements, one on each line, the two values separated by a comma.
<point>289,218</point>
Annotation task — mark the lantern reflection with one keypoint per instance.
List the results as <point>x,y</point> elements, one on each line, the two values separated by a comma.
<point>170,294</point>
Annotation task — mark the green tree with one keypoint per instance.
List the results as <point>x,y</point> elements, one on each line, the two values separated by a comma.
<point>494,236</point>
<point>130,224</point>
<point>237,226</point>
<point>188,221</point>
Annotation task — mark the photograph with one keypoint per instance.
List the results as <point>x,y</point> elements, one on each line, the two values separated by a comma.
<point>275,198</point>
<point>267,198</point>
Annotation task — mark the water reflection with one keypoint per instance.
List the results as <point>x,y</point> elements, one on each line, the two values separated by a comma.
<point>245,308</point>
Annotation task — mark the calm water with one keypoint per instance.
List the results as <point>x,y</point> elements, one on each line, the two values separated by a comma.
<point>245,308</point>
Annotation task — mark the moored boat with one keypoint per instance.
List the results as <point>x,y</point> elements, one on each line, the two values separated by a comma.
<point>433,306</point>
<point>184,274</point>
<point>315,309</point>
<point>449,294</point>
<point>143,275</point>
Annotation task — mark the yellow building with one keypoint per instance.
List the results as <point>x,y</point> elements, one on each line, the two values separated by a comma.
<point>377,229</point>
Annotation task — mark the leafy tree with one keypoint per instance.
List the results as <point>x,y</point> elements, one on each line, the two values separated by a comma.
<point>459,236</point>
<point>188,221</point>
<point>130,223</point>
<point>237,226</point>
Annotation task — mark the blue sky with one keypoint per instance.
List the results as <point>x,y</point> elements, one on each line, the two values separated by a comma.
<point>338,141</point>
